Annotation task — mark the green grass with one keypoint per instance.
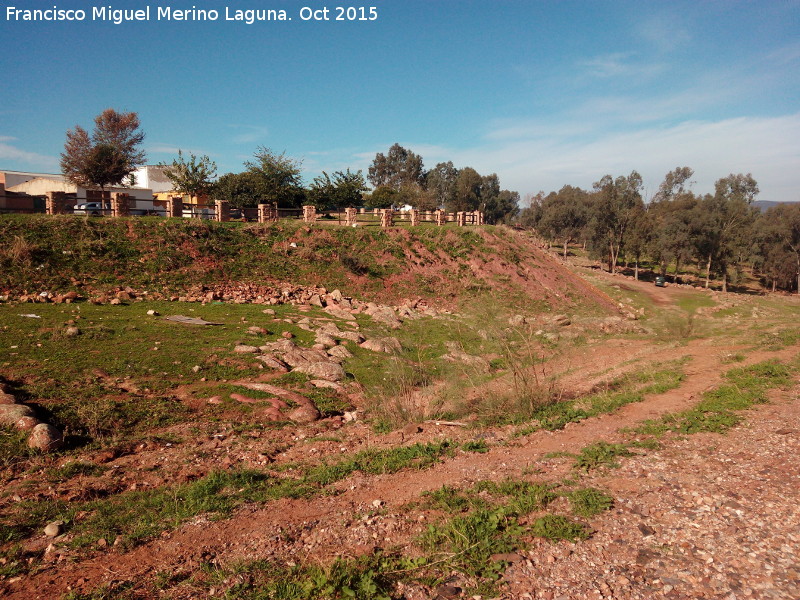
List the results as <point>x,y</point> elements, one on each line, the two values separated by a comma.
<point>140,515</point>
<point>624,390</point>
<point>558,527</point>
<point>600,454</point>
<point>718,410</point>
<point>588,502</point>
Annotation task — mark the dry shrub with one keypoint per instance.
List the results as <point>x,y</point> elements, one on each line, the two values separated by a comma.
<point>20,251</point>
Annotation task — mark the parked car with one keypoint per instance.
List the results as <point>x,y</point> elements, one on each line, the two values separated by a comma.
<point>661,281</point>
<point>94,209</point>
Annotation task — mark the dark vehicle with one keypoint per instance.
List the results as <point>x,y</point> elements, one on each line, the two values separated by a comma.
<point>661,281</point>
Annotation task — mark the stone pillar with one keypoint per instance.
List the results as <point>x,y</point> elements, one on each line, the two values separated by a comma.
<point>461,218</point>
<point>441,217</point>
<point>309,213</point>
<point>55,203</point>
<point>414,217</point>
<point>119,205</point>
<point>264,212</point>
<point>350,216</point>
<point>223,210</point>
<point>387,217</point>
<point>174,206</point>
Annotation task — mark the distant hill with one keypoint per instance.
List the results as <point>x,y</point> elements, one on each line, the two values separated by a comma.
<point>763,205</point>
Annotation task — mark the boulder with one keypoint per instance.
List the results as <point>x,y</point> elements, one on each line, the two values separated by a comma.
<point>340,352</point>
<point>273,363</point>
<point>245,349</point>
<point>389,345</point>
<point>322,370</point>
<point>353,336</point>
<point>6,398</point>
<point>11,413</point>
<point>339,313</point>
<point>27,423</point>
<point>304,414</point>
<point>45,437</point>
<point>326,340</point>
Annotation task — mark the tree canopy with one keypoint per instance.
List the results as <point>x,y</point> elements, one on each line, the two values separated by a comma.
<point>108,155</point>
<point>193,176</point>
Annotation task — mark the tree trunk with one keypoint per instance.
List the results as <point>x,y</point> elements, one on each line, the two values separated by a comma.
<point>636,270</point>
<point>708,271</point>
<point>725,281</point>
<point>565,249</point>
<point>774,284</point>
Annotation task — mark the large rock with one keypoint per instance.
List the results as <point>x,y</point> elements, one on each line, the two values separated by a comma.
<point>385,315</point>
<point>304,414</point>
<point>6,398</point>
<point>46,438</point>
<point>273,363</point>
<point>245,349</point>
<point>339,313</point>
<point>340,352</point>
<point>323,370</point>
<point>353,336</point>
<point>11,413</point>
<point>389,345</point>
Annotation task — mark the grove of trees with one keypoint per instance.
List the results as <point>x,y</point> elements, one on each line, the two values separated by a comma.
<point>719,233</point>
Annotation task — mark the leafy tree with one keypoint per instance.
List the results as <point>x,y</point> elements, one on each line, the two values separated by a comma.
<point>674,184</point>
<point>616,203</point>
<point>724,222</point>
<point>779,244</point>
<point>564,215</point>
<point>441,181</point>
<point>241,190</point>
<point>397,168</point>
<point>501,208</point>
<point>340,189</point>
<point>193,176</point>
<point>383,197</point>
<point>671,215</point>
<point>106,157</point>
<point>277,178</point>
<point>467,193</point>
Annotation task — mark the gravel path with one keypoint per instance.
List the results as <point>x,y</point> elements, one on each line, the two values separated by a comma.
<point>708,516</point>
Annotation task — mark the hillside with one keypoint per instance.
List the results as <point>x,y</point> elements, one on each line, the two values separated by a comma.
<point>242,412</point>
<point>448,266</point>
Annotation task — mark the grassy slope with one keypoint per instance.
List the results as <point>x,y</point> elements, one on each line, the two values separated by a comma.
<point>448,264</point>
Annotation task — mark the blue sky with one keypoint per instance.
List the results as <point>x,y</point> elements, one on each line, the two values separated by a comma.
<point>542,93</point>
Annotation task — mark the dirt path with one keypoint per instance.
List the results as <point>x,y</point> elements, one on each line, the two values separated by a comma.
<point>322,527</point>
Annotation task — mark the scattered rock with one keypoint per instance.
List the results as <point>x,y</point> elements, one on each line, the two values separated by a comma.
<point>45,437</point>
<point>389,345</point>
<point>11,413</point>
<point>245,349</point>
<point>304,414</point>
<point>340,352</point>
<point>27,423</point>
<point>339,313</point>
<point>54,529</point>
<point>72,331</point>
<point>322,370</point>
<point>273,363</point>
<point>256,330</point>
<point>153,313</point>
<point>6,398</point>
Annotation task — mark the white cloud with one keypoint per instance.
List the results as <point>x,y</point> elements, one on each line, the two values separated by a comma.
<point>25,159</point>
<point>250,134</point>
<point>765,146</point>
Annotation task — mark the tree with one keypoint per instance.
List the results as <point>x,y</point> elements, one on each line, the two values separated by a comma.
<point>441,181</point>
<point>779,244</point>
<point>674,224</point>
<point>501,208</point>
<point>109,155</point>
<point>564,215</point>
<point>193,177</point>
<point>616,202</point>
<point>673,184</point>
<point>340,189</point>
<point>277,178</point>
<point>467,192</point>
<point>241,190</point>
<point>382,197</point>
<point>724,222</point>
<point>397,168</point>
